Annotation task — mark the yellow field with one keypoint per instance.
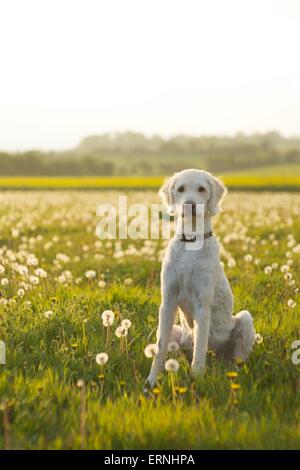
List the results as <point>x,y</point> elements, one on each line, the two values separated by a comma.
<point>233,181</point>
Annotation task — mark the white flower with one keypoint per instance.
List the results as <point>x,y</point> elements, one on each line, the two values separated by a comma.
<point>291,303</point>
<point>248,258</point>
<point>258,338</point>
<point>101,358</point>
<point>172,365</point>
<point>128,281</point>
<point>108,317</point>
<point>231,263</point>
<point>285,268</point>
<point>41,272</point>
<point>48,314</point>
<point>15,232</point>
<point>268,270</point>
<point>22,270</point>
<point>2,269</point>
<point>121,331</point>
<point>173,346</point>
<point>21,293</point>
<point>80,383</point>
<point>90,274</point>
<point>34,280</point>
<point>274,265</point>
<point>101,284</point>
<point>62,257</point>
<point>151,350</point>
<point>4,281</point>
<point>32,260</point>
<point>126,323</point>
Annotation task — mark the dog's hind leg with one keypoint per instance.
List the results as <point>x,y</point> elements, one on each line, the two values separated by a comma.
<point>176,334</point>
<point>182,334</point>
<point>242,336</point>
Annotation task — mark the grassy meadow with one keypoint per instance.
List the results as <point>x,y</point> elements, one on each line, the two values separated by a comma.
<point>56,279</point>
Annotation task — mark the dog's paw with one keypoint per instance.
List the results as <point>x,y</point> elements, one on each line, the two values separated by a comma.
<point>197,369</point>
<point>150,382</point>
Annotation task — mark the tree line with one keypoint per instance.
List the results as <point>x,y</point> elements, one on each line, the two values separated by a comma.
<point>133,153</point>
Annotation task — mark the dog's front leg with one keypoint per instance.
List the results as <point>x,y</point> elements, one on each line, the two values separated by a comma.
<point>167,313</point>
<point>200,333</point>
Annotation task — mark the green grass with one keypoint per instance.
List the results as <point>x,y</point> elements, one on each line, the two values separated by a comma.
<point>47,356</point>
<point>280,177</point>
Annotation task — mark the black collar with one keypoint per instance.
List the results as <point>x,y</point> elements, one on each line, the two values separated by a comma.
<point>192,240</point>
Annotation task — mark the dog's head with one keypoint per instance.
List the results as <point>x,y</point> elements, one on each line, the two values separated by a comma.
<point>192,189</point>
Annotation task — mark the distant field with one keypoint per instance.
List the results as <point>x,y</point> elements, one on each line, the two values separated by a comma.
<point>284,177</point>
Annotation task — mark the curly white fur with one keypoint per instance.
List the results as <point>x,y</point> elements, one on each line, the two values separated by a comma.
<point>193,282</point>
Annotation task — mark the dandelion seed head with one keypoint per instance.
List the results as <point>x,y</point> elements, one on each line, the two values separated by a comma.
<point>258,338</point>
<point>285,268</point>
<point>126,323</point>
<point>173,346</point>
<point>121,332</point>
<point>172,365</point>
<point>90,274</point>
<point>101,358</point>
<point>291,303</point>
<point>48,314</point>
<point>108,317</point>
<point>151,350</point>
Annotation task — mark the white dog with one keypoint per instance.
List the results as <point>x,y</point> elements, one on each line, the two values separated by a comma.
<point>194,283</point>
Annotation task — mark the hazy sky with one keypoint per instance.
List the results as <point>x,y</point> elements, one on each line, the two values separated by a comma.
<point>73,68</point>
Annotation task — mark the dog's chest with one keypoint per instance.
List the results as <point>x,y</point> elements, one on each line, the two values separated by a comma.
<point>193,270</point>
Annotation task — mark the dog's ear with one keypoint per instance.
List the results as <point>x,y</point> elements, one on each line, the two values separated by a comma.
<point>166,192</point>
<point>217,194</point>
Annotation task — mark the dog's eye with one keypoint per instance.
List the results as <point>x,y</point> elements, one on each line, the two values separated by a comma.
<point>181,189</point>
<point>201,189</point>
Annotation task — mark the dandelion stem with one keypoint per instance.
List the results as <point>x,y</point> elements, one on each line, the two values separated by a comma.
<point>107,337</point>
<point>6,427</point>
<point>82,417</point>
<point>172,385</point>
